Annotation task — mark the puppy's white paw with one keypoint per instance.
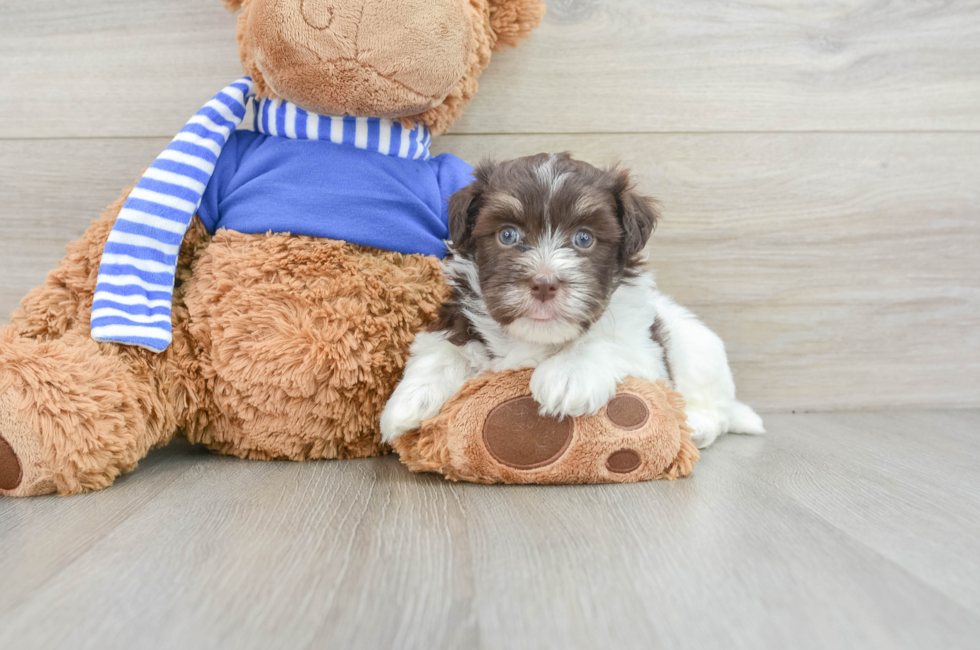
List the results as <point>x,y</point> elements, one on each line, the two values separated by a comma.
<point>402,414</point>
<point>564,389</point>
<point>395,424</point>
<point>706,427</point>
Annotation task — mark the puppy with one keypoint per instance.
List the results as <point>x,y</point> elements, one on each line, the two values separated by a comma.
<point>545,270</point>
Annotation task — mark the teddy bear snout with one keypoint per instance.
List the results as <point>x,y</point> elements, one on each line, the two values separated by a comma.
<point>318,14</point>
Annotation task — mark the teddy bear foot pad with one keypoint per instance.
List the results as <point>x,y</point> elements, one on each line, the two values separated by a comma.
<point>20,455</point>
<point>10,470</point>
<point>491,432</point>
<point>517,436</point>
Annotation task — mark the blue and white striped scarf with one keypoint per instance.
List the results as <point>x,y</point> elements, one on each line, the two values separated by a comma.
<point>134,290</point>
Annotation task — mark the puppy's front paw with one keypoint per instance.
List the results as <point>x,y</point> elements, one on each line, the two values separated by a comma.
<point>403,414</point>
<point>568,389</point>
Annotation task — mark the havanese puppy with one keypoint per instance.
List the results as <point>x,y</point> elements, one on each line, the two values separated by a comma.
<point>546,271</point>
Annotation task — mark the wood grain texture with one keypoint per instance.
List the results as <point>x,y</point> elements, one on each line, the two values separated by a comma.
<point>836,530</point>
<point>878,495</point>
<point>140,68</point>
<point>38,543</point>
<point>840,269</point>
<point>50,190</point>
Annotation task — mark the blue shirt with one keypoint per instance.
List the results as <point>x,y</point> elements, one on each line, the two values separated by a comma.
<point>264,183</point>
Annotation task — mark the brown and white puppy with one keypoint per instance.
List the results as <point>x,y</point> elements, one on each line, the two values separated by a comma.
<point>546,270</point>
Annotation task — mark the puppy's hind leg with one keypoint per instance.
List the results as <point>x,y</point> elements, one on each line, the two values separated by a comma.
<point>742,419</point>
<point>706,426</point>
<point>702,375</point>
<point>730,416</point>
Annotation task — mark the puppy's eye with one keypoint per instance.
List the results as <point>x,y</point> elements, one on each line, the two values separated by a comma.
<point>509,236</point>
<point>583,239</point>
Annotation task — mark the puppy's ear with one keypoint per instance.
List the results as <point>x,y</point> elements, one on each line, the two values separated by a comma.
<point>638,215</point>
<point>463,208</point>
<point>513,20</point>
<point>465,205</point>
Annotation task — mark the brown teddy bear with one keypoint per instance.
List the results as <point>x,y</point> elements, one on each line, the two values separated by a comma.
<point>256,344</point>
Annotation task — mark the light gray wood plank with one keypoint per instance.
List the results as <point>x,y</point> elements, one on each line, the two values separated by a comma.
<point>682,65</point>
<point>358,554</point>
<point>111,67</point>
<point>50,190</point>
<point>127,68</point>
<point>723,560</point>
<point>902,483</point>
<point>840,269</point>
<point>43,536</point>
<point>354,554</point>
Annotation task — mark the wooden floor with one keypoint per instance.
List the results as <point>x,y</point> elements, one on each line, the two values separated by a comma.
<point>838,530</point>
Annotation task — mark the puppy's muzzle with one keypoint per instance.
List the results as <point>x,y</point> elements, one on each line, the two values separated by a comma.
<point>544,287</point>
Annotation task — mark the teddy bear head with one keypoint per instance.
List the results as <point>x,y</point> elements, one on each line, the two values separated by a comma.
<point>414,60</point>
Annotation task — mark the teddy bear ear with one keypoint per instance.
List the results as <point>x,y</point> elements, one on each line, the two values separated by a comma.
<point>513,20</point>
<point>233,5</point>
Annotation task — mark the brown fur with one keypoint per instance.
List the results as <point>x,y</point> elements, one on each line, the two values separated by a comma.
<point>417,60</point>
<point>283,347</point>
<point>658,332</point>
<point>452,443</point>
<point>539,196</point>
<point>453,320</point>
<point>301,351</point>
<point>89,412</point>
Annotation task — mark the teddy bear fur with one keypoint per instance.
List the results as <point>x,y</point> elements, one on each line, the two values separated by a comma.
<point>284,347</point>
<point>640,435</point>
<point>493,25</point>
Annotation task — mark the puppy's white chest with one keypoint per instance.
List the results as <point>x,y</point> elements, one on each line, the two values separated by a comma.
<point>516,354</point>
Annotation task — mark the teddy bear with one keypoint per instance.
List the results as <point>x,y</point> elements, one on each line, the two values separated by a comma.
<point>258,290</point>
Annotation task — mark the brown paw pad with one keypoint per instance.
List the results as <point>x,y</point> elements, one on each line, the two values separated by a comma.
<point>627,412</point>
<point>517,436</point>
<point>11,472</point>
<point>623,461</point>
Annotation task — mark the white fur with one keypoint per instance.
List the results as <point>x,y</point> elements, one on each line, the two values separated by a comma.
<point>701,374</point>
<point>549,176</point>
<point>576,374</point>
<point>435,371</point>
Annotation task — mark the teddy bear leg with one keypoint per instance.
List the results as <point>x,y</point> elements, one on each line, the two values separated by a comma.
<point>20,449</point>
<point>72,417</point>
<point>303,340</point>
<point>75,414</point>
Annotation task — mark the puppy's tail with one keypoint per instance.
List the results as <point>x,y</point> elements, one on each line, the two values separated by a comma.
<point>742,419</point>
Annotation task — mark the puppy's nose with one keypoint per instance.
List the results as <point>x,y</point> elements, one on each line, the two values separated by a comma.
<point>544,287</point>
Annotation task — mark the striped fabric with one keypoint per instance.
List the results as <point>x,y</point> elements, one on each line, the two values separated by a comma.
<point>134,290</point>
<point>276,117</point>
